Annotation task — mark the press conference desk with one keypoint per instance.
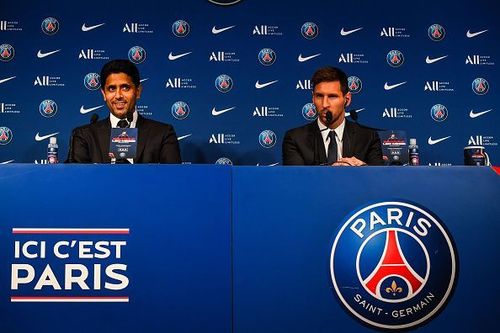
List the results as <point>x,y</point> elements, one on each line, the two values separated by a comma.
<point>155,248</point>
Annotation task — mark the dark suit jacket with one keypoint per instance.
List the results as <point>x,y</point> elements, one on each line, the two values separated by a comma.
<point>156,143</point>
<point>304,145</point>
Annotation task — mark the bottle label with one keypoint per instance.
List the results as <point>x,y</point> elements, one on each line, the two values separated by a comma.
<point>414,158</point>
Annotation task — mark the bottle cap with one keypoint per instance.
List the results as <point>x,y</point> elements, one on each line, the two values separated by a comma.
<point>53,140</point>
<point>412,141</point>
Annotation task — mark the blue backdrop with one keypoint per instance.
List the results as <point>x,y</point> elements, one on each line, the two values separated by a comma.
<point>42,91</point>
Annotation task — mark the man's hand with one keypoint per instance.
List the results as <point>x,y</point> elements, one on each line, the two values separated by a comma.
<point>349,161</point>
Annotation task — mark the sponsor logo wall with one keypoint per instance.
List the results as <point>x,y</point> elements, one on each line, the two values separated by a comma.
<point>233,76</point>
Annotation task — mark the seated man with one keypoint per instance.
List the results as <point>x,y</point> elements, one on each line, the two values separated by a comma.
<point>121,88</point>
<point>331,140</point>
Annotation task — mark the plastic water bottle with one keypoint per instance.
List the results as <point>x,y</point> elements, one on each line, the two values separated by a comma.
<point>413,155</point>
<point>52,151</point>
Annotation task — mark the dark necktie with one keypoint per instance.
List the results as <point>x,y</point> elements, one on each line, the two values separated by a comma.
<point>123,123</point>
<point>332,148</point>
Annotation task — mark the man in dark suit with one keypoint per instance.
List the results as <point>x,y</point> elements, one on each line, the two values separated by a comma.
<point>331,140</point>
<point>121,88</point>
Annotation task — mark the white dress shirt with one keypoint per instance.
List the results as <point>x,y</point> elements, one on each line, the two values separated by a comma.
<point>339,134</point>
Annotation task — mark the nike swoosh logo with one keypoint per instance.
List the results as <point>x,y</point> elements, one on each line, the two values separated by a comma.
<point>84,110</point>
<point>302,59</point>
<point>259,85</point>
<point>7,79</point>
<point>92,27</point>
<point>216,113</point>
<point>43,137</point>
<point>473,114</point>
<point>7,162</point>
<point>347,114</point>
<point>41,54</point>
<point>474,34</point>
<point>433,142</point>
<point>348,32</point>
<point>431,61</point>
<point>179,138</point>
<point>142,80</point>
<point>216,31</point>
<point>388,86</point>
<point>175,57</point>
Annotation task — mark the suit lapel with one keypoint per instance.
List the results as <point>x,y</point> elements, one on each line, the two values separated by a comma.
<point>316,143</point>
<point>348,141</point>
<point>142,133</point>
<point>103,133</point>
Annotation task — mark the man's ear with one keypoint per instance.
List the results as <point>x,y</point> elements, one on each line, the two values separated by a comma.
<point>348,98</point>
<point>139,91</point>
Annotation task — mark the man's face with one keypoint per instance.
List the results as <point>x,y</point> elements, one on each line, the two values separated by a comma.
<point>120,94</point>
<point>327,96</point>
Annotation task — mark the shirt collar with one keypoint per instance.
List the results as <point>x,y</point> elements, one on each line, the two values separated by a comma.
<point>114,120</point>
<point>339,131</point>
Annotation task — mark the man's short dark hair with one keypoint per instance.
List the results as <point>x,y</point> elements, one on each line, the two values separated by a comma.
<point>120,66</point>
<point>330,74</point>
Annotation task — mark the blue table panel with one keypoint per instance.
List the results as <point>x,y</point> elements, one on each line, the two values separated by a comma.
<point>286,218</point>
<point>178,251</point>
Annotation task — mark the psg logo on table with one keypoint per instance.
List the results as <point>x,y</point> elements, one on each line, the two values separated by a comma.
<point>436,32</point>
<point>439,112</point>
<point>92,81</point>
<point>267,57</point>
<point>354,84</point>
<point>180,110</point>
<point>393,264</point>
<point>6,52</point>
<point>267,138</point>
<point>50,26</point>
<point>224,2</point>
<point>309,112</point>
<point>181,28</point>
<point>480,86</point>
<point>137,54</point>
<point>224,83</point>
<point>48,108</point>
<point>224,161</point>
<point>5,136</point>
<point>309,30</point>
<point>395,58</point>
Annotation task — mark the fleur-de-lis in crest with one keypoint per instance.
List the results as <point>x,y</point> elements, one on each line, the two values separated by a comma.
<point>393,288</point>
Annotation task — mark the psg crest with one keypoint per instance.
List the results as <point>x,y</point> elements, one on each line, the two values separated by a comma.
<point>6,52</point>
<point>48,108</point>
<point>480,86</point>
<point>181,28</point>
<point>393,264</point>
<point>5,136</point>
<point>137,54</point>
<point>180,110</point>
<point>354,84</point>
<point>50,26</point>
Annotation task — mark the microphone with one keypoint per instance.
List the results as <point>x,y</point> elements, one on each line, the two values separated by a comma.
<point>130,117</point>
<point>329,118</point>
<point>94,118</point>
<point>329,121</point>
